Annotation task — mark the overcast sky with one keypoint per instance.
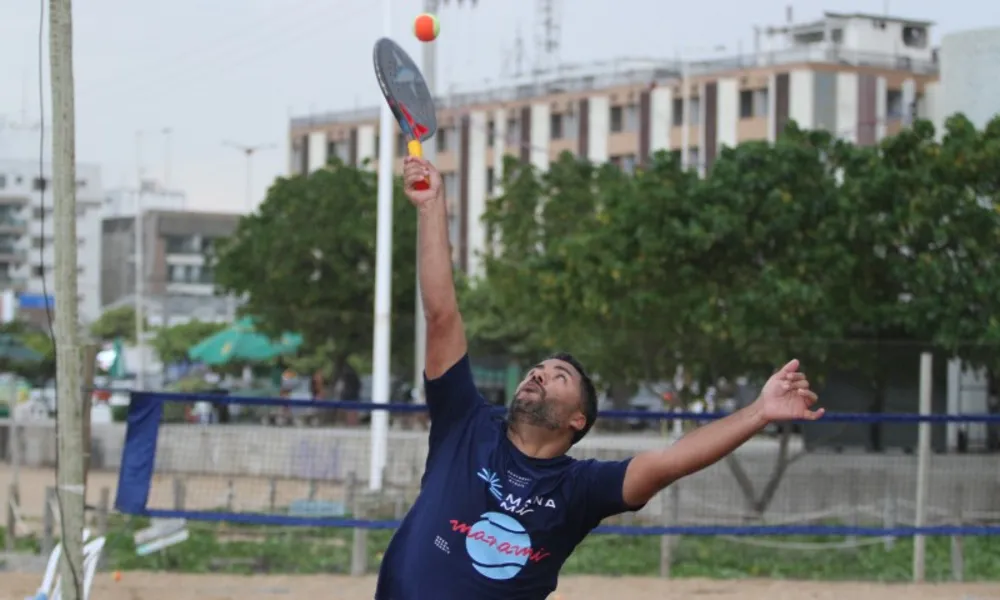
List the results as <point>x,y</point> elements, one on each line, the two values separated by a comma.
<point>237,69</point>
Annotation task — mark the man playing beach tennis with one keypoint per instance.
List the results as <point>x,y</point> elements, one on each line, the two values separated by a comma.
<point>501,505</point>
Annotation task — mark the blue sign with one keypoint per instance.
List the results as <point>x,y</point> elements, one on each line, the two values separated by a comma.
<point>34,301</point>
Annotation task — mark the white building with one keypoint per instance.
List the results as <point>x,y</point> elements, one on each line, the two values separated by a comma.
<point>27,252</point>
<point>859,76</point>
<point>122,202</point>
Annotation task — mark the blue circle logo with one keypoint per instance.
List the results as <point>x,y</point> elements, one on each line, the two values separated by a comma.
<point>498,546</point>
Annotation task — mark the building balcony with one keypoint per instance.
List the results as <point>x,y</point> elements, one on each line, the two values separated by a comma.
<point>11,225</point>
<point>13,200</point>
<point>11,254</point>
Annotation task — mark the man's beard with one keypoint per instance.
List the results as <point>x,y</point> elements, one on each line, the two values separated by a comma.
<point>537,413</point>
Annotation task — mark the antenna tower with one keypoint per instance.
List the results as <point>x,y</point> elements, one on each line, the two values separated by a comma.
<point>547,39</point>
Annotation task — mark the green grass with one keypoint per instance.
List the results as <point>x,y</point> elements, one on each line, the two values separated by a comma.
<point>215,547</point>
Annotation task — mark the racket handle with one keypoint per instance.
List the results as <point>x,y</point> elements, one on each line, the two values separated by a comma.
<point>416,150</point>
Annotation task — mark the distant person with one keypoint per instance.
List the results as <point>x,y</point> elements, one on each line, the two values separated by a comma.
<point>501,505</point>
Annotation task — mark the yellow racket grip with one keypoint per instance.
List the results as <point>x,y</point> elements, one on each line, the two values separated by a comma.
<point>416,150</point>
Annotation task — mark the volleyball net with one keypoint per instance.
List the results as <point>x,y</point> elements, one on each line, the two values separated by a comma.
<point>271,461</point>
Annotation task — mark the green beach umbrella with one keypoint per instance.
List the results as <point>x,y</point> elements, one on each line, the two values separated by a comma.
<point>117,368</point>
<point>13,351</point>
<point>242,343</point>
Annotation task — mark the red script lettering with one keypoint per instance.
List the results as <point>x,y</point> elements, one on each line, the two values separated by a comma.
<point>479,535</point>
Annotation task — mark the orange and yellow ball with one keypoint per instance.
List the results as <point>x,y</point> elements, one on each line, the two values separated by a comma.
<point>426,27</point>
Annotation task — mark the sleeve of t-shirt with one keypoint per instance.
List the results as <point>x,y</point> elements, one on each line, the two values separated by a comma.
<point>451,399</point>
<point>600,490</point>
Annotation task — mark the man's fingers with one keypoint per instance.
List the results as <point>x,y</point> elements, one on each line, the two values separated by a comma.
<point>791,367</point>
<point>812,415</point>
<point>809,396</point>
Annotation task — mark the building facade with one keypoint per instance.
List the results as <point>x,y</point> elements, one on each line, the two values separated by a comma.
<point>178,283</point>
<point>27,243</point>
<point>859,76</point>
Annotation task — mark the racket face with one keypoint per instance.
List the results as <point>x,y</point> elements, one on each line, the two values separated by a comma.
<point>405,90</point>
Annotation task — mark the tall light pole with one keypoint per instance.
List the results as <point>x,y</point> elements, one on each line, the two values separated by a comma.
<point>167,132</point>
<point>249,151</point>
<point>429,70</point>
<point>140,254</point>
<point>685,67</point>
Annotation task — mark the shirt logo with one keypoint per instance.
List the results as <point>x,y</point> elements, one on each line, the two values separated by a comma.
<point>498,545</point>
<point>493,481</point>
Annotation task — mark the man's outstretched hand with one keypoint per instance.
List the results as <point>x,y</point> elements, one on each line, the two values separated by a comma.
<point>786,397</point>
<point>417,170</point>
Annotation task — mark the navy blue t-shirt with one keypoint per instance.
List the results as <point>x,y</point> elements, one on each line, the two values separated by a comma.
<point>491,522</point>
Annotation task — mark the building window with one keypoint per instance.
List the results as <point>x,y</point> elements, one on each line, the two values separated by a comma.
<point>746,104</point>
<point>39,184</point>
<point>678,113</point>
<point>3,181</point>
<point>694,158</point>
<point>490,181</point>
<point>625,162</point>
<point>894,104</point>
<point>617,124</point>
<point>513,132</point>
<point>556,127</point>
<point>694,118</point>
<point>450,181</point>
<point>491,133</point>
<point>400,146</point>
<point>445,139</point>
<point>753,103</point>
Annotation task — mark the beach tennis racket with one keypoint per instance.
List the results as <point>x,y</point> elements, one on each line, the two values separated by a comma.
<point>406,92</point>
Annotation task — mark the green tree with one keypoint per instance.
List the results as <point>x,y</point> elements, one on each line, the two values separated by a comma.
<point>117,322</point>
<point>172,343</point>
<point>305,262</point>
<point>34,338</point>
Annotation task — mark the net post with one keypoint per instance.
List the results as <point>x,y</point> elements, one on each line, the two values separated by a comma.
<point>923,466</point>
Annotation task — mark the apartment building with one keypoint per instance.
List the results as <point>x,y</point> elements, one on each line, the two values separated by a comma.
<point>859,76</point>
<point>27,243</point>
<point>178,283</point>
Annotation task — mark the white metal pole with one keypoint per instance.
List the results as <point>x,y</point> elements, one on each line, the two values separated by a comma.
<point>140,284</point>
<point>923,466</point>
<point>249,200</point>
<point>685,116</point>
<point>167,131</point>
<point>383,283</point>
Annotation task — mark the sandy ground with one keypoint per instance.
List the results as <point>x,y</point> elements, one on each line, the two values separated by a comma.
<point>165,586</point>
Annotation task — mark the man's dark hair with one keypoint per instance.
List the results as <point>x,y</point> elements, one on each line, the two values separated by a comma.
<point>589,393</point>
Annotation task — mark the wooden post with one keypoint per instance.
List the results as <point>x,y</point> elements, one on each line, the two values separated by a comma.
<point>103,508</point>
<point>70,469</point>
<point>179,493</point>
<point>13,500</point>
<point>957,556</point>
<point>49,522</point>
<point>89,360</point>
<point>671,516</point>
<point>359,547</point>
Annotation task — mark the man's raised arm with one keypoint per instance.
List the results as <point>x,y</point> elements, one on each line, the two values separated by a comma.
<point>785,397</point>
<point>446,343</point>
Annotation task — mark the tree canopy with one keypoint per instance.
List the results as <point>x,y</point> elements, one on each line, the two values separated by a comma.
<point>809,246</point>
<point>305,262</point>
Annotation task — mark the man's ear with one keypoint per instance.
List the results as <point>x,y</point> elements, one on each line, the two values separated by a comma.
<point>579,421</point>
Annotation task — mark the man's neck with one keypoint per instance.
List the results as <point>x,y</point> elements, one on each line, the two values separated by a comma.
<point>534,441</point>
